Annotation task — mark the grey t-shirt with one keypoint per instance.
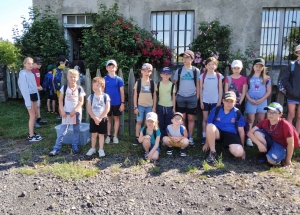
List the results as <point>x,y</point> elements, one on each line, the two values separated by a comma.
<point>210,88</point>
<point>172,132</point>
<point>187,85</point>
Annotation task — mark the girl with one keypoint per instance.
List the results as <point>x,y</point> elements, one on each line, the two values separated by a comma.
<point>29,90</point>
<point>258,91</point>
<point>150,137</point>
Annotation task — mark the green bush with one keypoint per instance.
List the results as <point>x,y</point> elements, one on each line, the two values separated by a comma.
<point>9,54</point>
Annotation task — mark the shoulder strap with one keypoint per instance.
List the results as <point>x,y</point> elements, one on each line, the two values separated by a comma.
<point>105,83</point>
<point>138,89</point>
<point>157,93</point>
<point>154,133</point>
<point>229,79</point>
<point>64,96</point>
<point>203,77</point>
<point>238,116</point>
<point>195,75</point>
<point>105,97</point>
<point>178,79</point>
<point>92,98</point>
<point>144,131</point>
<point>181,130</point>
<point>79,90</point>
<point>172,88</point>
<point>152,87</point>
<point>292,66</point>
<point>216,113</point>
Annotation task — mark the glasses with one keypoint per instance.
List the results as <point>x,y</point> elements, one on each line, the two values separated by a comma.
<point>272,113</point>
<point>177,118</point>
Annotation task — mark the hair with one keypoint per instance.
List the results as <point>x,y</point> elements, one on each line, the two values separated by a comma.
<point>27,59</point>
<point>99,80</point>
<point>73,72</point>
<point>263,75</point>
<point>211,59</point>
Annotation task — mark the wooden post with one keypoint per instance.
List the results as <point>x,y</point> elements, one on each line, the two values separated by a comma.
<point>88,92</point>
<point>18,89</point>
<point>131,120</point>
<point>156,77</point>
<point>13,83</point>
<point>64,79</point>
<point>98,73</point>
<point>227,71</point>
<point>121,127</point>
<point>8,83</point>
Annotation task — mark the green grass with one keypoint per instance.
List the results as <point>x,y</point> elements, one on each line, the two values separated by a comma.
<point>26,170</point>
<point>25,157</point>
<point>219,163</point>
<point>206,166</point>
<point>191,169</point>
<point>115,168</point>
<point>155,169</point>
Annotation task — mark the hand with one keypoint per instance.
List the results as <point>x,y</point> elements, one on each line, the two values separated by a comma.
<point>205,147</point>
<point>259,101</point>
<point>219,103</point>
<point>262,147</point>
<point>202,105</point>
<point>72,113</point>
<point>147,137</point>
<point>136,111</point>
<point>153,109</point>
<point>122,106</point>
<point>288,163</point>
<point>63,114</point>
<point>244,155</point>
<point>174,110</point>
<point>97,120</point>
<point>40,88</point>
<point>253,102</point>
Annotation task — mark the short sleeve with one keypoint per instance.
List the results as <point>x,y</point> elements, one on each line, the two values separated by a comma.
<point>244,80</point>
<point>198,73</point>
<point>241,122</point>
<point>200,77</point>
<point>269,82</point>
<point>174,89</point>
<point>88,99</point>
<point>62,89</point>
<point>260,124</point>
<point>107,98</point>
<point>158,133</point>
<point>121,82</point>
<point>82,93</point>
<point>175,77</point>
<point>221,76</point>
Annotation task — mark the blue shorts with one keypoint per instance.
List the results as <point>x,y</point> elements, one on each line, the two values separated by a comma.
<point>143,112</point>
<point>276,152</point>
<point>292,102</point>
<point>209,106</point>
<point>253,109</point>
<point>151,147</point>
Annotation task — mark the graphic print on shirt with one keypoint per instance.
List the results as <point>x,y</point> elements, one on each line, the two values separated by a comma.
<point>145,89</point>
<point>187,77</point>
<point>234,88</point>
<point>72,96</point>
<point>256,84</point>
<point>97,104</point>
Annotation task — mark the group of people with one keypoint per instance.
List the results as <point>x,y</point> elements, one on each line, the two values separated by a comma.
<point>165,108</point>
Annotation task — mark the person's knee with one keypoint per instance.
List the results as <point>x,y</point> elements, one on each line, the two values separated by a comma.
<point>271,161</point>
<point>236,150</point>
<point>166,140</point>
<point>210,128</point>
<point>184,142</point>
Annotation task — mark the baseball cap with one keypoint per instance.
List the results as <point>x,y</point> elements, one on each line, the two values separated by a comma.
<point>37,60</point>
<point>189,53</point>
<point>237,63</point>
<point>177,114</point>
<point>76,67</point>
<point>297,48</point>
<point>50,67</point>
<point>113,62</point>
<point>259,61</point>
<point>147,66</point>
<point>274,106</point>
<point>61,58</point>
<point>166,70</point>
<point>152,116</point>
<point>230,95</point>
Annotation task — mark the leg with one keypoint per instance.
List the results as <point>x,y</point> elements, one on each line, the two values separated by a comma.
<point>184,143</point>
<point>291,113</point>
<point>205,116</point>
<point>138,126</point>
<point>251,117</point>
<point>116,125</point>
<point>76,133</point>
<point>191,125</point>
<point>212,134</point>
<point>260,117</point>
<point>60,136</point>
<point>161,120</point>
<point>298,121</point>
<point>146,145</point>
<point>94,140</point>
<point>53,105</point>
<point>236,149</point>
<point>32,114</point>
<point>48,105</point>
<point>101,141</point>
<point>155,155</point>
<point>166,141</point>
<point>108,125</point>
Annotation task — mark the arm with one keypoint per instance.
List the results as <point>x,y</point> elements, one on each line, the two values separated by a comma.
<point>53,76</point>
<point>154,99</point>
<point>285,79</point>
<point>105,112</point>
<point>22,82</point>
<point>174,102</point>
<point>136,111</point>
<point>198,88</point>
<point>78,106</point>
<point>242,135</point>
<point>245,87</point>
<point>122,98</point>
<point>156,145</point>
<point>220,92</point>
<point>142,137</point>
<point>61,105</point>
<point>260,145</point>
<point>289,151</point>
<point>269,90</point>
<point>200,94</point>
<point>226,87</point>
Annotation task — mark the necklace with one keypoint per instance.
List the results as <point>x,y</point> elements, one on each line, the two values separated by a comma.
<point>274,127</point>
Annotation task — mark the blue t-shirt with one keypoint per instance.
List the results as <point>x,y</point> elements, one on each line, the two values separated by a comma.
<point>152,140</point>
<point>225,122</point>
<point>257,88</point>
<point>112,86</point>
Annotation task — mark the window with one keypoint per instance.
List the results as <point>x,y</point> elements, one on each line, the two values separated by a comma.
<point>174,29</point>
<point>76,20</point>
<point>280,34</point>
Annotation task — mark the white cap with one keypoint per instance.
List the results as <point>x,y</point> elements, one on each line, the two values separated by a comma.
<point>152,116</point>
<point>297,48</point>
<point>237,63</point>
<point>111,62</point>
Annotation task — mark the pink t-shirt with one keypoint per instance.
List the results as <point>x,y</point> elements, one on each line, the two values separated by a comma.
<point>237,85</point>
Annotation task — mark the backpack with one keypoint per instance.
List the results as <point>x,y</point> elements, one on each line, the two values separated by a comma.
<point>139,85</point>
<point>47,82</point>
<point>157,93</point>
<point>279,85</point>
<point>205,73</point>
<point>179,73</point>
<point>65,90</point>
<point>92,98</point>
<point>57,79</point>
<point>154,132</point>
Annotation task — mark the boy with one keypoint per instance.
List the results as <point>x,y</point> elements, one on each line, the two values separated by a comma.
<point>211,90</point>
<point>224,125</point>
<point>144,98</point>
<point>48,87</point>
<point>70,103</point>
<point>37,63</point>
<point>177,135</point>
<point>114,87</point>
<point>166,100</point>
<point>98,107</point>
<point>275,136</point>
<point>186,80</point>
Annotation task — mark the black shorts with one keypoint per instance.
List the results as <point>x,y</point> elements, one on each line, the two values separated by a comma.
<point>51,95</point>
<point>209,106</point>
<point>228,138</point>
<point>114,110</point>
<point>101,128</point>
<point>33,97</point>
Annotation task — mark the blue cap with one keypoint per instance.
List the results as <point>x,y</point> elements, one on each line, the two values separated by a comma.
<point>274,106</point>
<point>166,70</point>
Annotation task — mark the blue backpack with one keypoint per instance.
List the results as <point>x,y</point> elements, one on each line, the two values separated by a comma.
<point>57,79</point>
<point>181,129</point>
<point>47,83</point>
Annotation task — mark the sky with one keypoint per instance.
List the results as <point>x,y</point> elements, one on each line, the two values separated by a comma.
<point>10,15</point>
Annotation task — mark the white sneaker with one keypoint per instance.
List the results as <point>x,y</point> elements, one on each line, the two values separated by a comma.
<point>107,140</point>
<point>101,153</point>
<point>249,142</point>
<point>91,152</point>
<point>115,140</point>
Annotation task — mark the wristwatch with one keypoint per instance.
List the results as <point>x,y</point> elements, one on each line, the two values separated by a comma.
<point>122,102</point>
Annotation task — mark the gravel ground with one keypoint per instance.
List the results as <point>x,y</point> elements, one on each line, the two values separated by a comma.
<point>125,185</point>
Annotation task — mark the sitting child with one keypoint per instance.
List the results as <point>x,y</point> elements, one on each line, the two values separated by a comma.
<point>177,135</point>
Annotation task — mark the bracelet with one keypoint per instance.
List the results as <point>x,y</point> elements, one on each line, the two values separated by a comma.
<point>122,102</point>
<point>134,108</point>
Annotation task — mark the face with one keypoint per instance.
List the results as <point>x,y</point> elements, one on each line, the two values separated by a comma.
<point>228,104</point>
<point>176,120</point>
<point>298,54</point>
<point>236,70</point>
<point>146,73</point>
<point>165,76</point>
<point>111,68</point>
<point>28,65</point>
<point>258,68</point>
<point>97,87</point>
<point>187,60</point>
<point>37,65</point>
<point>72,78</point>
<point>211,66</point>
<point>150,123</point>
<point>273,115</point>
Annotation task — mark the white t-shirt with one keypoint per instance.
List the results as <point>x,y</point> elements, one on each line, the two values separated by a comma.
<point>98,105</point>
<point>210,88</point>
<point>72,98</point>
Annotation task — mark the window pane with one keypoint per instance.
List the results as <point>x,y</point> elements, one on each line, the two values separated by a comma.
<point>153,22</point>
<point>175,42</point>
<point>175,21</point>
<point>167,38</point>
<point>88,20</point>
<point>80,19</point>
<point>160,36</point>
<point>167,22</point>
<point>181,38</point>
<point>160,21</point>
<point>188,38</point>
<point>190,22</point>
<point>182,21</point>
<point>71,20</point>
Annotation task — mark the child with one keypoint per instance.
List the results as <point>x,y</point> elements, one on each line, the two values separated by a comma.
<point>211,90</point>
<point>98,107</point>
<point>48,87</point>
<point>237,83</point>
<point>37,63</point>
<point>166,100</point>
<point>177,135</point>
<point>259,89</point>
<point>150,136</point>
<point>29,90</point>
<point>114,87</point>
<point>144,98</point>
<point>186,80</point>
<point>70,103</point>
<point>275,136</point>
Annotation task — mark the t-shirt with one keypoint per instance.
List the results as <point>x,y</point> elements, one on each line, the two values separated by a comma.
<point>257,89</point>
<point>174,133</point>
<point>281,132</point>
<point>210,88</point>
<point>60,67</point>
<point>112,88</point>
<point>145,97</point>
<point>152,139</point>
<point>237,86</point>
<point>225,122</point>
<point>165,98</point>
<point>37,76</point>
<point>187,85</point>
<point>98,105</point>
<point>72,98</point>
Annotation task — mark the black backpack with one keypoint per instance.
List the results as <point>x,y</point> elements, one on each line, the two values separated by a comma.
<point>154,132</point>
<point>139,85</point>
<point>179,73</point>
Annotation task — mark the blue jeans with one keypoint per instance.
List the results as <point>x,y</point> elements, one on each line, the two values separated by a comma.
<point>143,112</point>
<point>164,118</point>
<point>63,131</point>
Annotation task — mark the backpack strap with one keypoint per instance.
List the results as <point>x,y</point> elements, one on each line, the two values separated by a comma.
<point>292,66</point>
<point>195,75</point>
<point>238,116</point>
<point>178,79</point>
<point>172,88</point>
<point>157,93</point>
<point>64,96</point>
<point>105,83</point>
<point>229,80</point>
<point>181,129</point>
<point>145,130</point>
<point>152,87</point>
<point>138,90</point>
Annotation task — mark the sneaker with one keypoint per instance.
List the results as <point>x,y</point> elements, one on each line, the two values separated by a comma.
<point>34,138</point>
<point>36,125</point>
<point>107,140</point>
<point>182,153</point>
<point>211,157</point>
<point>169,151</point>
<point>191,142</point>
<point>249,142</point>
<point>115,140</point>
<point>203,141</point>
<point>101,153</point>
<point>91,152</point>
<point>75,150</point>
<point>146,155</point>
<point>135,142</point>
<point>53,153</point>
<point>42,122</point>
<point>35,134</point>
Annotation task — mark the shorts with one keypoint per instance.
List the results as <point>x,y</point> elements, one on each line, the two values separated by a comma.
<point>228,138</point>
<point>151,147</point>
<point>114,110</point>
<point>276,152</point>
<point>253,109</point>
<point>33,97</point>
<point>209,106</point>
<point>142,112</point>
<point>51,95</point>
<point>101,128</point>
<point>176,144</point>
<point>187,104</point>
<point>289,101</point>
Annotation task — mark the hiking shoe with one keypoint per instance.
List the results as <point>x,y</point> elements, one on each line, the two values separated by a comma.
<point>101,153</point>
<point>107,140</point>
<point>75,149</point>
<point>53,153</point>
<point>211,157</point>
<point>191,142</point>
<point>146,155</point>
<point>35,134</point>
<point>115,140</point>
<point>169,151</point>
<point>136,141</point>
<point>91,152</point>
<point>182,153</point>
<point>34,138</point>
<point>203,141</point>
<point>249,142</point>
<point>42,122</point>
<point>36,125</point>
